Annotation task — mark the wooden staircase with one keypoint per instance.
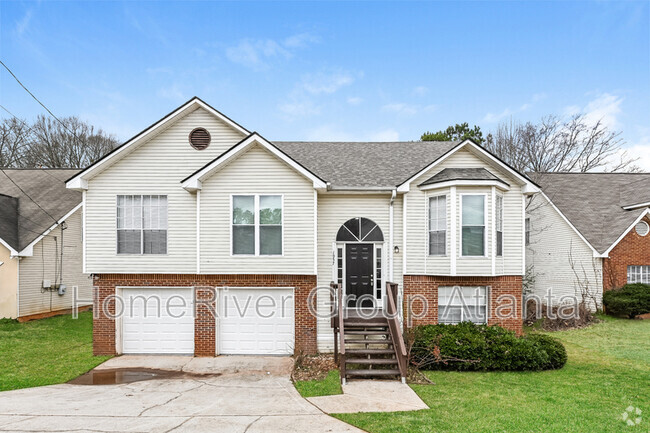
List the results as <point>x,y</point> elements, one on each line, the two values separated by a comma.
<point>369,347</point>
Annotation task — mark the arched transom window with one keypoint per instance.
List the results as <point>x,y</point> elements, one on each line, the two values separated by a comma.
<point>359,230</point>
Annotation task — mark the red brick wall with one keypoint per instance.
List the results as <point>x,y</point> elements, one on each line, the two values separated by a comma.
<point>205,325</point>
<point>632,250</point>
<point>426,287</point>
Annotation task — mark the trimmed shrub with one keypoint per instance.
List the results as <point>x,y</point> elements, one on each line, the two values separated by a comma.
<point>630,300</point>
<point>471,347</point>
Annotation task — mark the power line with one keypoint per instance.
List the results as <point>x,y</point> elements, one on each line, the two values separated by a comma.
<point>27,195</point>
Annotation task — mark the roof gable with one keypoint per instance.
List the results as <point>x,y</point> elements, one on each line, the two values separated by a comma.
<point>194,181</point>
<point>594,203</point>
<point>80,180</point>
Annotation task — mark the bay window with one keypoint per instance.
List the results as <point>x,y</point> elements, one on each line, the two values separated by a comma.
<point>473,224</point>
<point>257,225</point>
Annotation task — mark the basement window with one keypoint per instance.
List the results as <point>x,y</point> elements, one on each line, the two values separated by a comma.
<point>638,274</point>
<point>462,304</point>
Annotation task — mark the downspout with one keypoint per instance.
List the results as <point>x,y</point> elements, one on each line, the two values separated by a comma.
<point>390,239</point>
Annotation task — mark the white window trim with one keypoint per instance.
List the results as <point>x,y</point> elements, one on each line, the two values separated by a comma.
<point>257,224</point>
<point>428,224</point>
<point>485,231</point>
<point>496,225</point>
<point>142,229</point>
<point>641,273</point>
<point>462,305</point>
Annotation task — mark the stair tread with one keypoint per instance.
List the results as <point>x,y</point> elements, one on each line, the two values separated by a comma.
<point>369,340</point>
<point>373,372</point>
<point>370,351</point>
<point>385,361</point>
<point>362,332</point>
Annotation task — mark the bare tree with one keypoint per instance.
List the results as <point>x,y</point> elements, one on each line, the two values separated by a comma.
<point>555,144</point>
<point>14,142</point>
<point>71,144</point>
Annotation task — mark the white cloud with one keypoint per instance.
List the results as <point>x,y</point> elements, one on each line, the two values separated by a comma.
<point>326,83</point>
<point>173,92</point>
<point>604,108</point>
<point>355,100</point>
<point>257,53</point>
<point>406,109</point>
<point>496,117</point>
<point>641,152</point>
<point>299,108</point>
<point>420,91</point>
<point>23,23</point>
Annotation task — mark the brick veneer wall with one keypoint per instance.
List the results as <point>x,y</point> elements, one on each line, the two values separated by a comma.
<point>204,324</point>
<point>426,287</point>
<point>632,250</point>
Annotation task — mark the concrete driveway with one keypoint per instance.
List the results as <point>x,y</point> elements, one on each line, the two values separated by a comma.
<point>223,394</point>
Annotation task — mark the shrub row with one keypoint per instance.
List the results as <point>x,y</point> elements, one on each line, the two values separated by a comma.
<point>471,347</point>
<point>630,300</point>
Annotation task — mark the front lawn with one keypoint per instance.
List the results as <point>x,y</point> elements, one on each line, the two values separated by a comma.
<point>330,385</point>
<point>46,351</point>
<point>607,371</point>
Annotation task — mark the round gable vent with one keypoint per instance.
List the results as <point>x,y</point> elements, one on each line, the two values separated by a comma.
<point>642,228</point>
<point>199,138</point>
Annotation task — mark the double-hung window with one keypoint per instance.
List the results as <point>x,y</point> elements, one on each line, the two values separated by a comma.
<point>638,274</point>
<point>462,304</point>
<point>499,224</point>
<point>438,225</point>
<point>473,221</point>
<point>142,224</point>
<point>527,231</point>
<point>257,225</point>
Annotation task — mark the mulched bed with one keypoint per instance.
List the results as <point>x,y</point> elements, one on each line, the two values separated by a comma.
<point>313,367</point>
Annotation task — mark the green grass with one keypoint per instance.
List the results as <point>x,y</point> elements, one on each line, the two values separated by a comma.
<point>608,370</point>
<point>330,385</point>
<point>46,351</point>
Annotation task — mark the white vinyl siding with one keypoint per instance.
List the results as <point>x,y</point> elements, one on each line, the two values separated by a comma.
<point>157,168</point>
<point>43,266</point>
<point>557,257</point>
<point>420,262</point>
<point>257,173</point>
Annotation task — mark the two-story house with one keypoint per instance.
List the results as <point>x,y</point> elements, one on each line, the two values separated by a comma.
<point>197,202</point>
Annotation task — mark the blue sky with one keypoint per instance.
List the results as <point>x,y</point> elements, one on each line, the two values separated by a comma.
<point>333,71</point>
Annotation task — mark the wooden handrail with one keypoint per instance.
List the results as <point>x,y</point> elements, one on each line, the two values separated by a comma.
<point>394,327</point>
<point>339,330</point>
<point>339,300</point>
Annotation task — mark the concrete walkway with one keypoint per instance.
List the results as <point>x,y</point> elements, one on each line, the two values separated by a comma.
<point>225,394</point>
<point>371,396</point>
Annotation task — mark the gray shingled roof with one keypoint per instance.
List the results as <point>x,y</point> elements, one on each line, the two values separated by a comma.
<point>21,220</point>
<point>381,165</point>
<point>593,202</point>
<point>448,174</point>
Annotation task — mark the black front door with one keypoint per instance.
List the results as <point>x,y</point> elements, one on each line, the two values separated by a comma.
<point>359,273</point>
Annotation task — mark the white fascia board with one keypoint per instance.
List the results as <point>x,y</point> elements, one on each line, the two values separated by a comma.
<point>501,185</point>
<point>193,183</point>
<point>620,238</point>
<point>559,212</point>
<point>28,251</point>
<point>12,252</point>
<point>529,187</point>
<point>636,206</point>
<point>80,182</point>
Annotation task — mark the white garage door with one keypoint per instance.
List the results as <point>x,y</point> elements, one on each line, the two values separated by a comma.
<point>256,322</point>
<point>162,324</point>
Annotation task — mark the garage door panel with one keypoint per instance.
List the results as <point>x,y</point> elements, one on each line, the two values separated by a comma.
<point>156,330</point>
<point>257,321</point>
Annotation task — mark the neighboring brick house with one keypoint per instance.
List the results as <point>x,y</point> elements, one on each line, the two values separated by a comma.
<point>588,232</point>
<point>40,244</point>
<point>199,210</point>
